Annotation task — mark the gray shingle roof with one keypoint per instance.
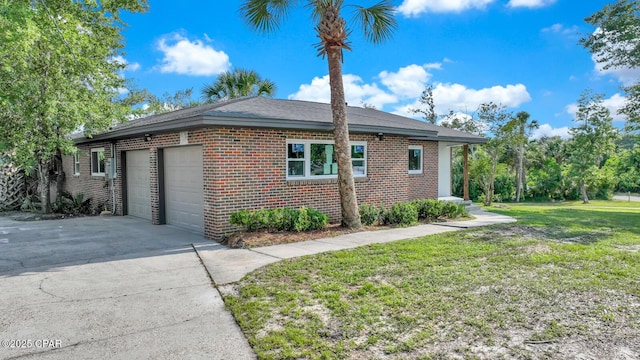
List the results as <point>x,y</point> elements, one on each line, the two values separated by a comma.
<point>279,113</point>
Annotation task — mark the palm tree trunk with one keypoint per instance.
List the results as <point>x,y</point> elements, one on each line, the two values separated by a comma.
<point>346,184</point>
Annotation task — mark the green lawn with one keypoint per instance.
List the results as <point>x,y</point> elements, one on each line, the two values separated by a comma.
<point>562,282</point>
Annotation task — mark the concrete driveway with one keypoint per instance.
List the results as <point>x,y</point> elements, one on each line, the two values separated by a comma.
<point>109,287</point>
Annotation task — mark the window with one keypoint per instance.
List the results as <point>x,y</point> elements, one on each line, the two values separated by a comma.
<point>97,162</point>
<point>76,163</point>
<point>316,159</point>
<point>415,159</point>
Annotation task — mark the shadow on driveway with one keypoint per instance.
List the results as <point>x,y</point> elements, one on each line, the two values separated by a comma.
<point>110,288</point>
<point>47,244</point>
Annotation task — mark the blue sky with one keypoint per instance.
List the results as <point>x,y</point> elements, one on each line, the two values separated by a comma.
<point>521,53</point>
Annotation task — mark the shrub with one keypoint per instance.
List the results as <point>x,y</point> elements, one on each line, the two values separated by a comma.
<point>453,210</point>
<point>66,203</point>
<point>369,214</point>
<point>316,219</point>
<point>281,219</point>
<point>428,209</point>
<point>401,213</point>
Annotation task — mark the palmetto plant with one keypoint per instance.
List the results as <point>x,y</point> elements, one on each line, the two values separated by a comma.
<point>377,23</point>
<point>237,83</point>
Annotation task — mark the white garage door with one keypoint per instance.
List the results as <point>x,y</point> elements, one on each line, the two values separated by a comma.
<point>183,187</point>
<point>138,186</point>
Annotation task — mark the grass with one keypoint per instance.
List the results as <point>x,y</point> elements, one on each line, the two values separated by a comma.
<point>562,282</point>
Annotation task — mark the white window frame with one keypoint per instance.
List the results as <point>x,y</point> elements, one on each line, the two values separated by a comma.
<point>98,150</point>
<point>416,147</point>
<point>76,163</point>
<point>307,159</point>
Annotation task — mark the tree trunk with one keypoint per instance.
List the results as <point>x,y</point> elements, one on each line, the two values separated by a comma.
<point>492,179</point>
<point>45,190</point>
<point>346,184</point>
<point>583,191</point>
<point>465,172</point>
<point>519,172</point>
<point>60,175</point>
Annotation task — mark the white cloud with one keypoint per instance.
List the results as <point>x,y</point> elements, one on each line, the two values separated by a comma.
<point>626,76</point>
<point>459,98</point>
<point>134,66</point>
<point>182,56</point>
<point>417,7</point>
<point>409,81</point>
<point>548,130</point>
<point>561,29</point>
<point>356,92</point>
<point>614,103</point>
<point>530,3</point>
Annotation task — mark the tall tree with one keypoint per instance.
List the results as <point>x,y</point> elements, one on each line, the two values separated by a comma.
<point>59,75</point>
<point>237,83</point>
<point>377,23</point>
<point>593,140</point>
<point>463,122</point>
<point>144,103</point>
<point>494,117</point>
<point>519,129</point>
<point>616,44</point>
<point>429,111</point>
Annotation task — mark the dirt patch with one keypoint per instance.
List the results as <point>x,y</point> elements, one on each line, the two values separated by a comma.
<point>553,234</point>
<point>263,238</point>
<point>629,248</point>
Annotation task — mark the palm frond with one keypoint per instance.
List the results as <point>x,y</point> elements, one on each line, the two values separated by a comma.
<point>266,15</point>
<point>267,88</point>
<point>377,21</point>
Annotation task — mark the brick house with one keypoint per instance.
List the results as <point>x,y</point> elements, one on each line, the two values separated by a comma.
<point>193,167</point>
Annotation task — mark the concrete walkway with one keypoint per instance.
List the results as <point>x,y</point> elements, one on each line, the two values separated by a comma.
<point>626,197</point>
<point>230,265</point>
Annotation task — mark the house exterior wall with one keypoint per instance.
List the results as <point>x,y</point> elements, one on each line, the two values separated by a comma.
<point>95,187</point>
<point>444,169</point>
<point>246,169</point>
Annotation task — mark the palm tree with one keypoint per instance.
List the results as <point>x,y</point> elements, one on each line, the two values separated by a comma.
<point>237,83</point>
<point>377,23</point>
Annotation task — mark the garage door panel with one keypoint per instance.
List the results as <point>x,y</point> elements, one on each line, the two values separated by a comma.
<point>138,184</point>
<point>184,187</point>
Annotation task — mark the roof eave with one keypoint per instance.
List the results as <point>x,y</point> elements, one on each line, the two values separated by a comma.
<point>454,139</point>
<point>201,121</point>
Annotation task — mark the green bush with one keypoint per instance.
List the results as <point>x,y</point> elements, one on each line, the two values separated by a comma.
<point>428,209</point>
<point>369,214</point>
<point>401,213</point>
<point>66,203</point>
<point>452,210</point>
<point>281,219</point>
<point>314,220</point>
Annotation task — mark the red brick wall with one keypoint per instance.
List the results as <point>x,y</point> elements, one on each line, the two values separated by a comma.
<point>94,187</point>
<point>425,185</point>
<point>246,169</point>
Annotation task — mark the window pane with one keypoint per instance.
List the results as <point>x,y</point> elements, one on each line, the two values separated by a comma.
<point>415,159</point>
<point>101,163</point>
<point>357,151</point>
<point>323,160</point>
<point>295,151</point>
<point>358,167</point>
<point>94,162</point>
<point>296,168</point>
